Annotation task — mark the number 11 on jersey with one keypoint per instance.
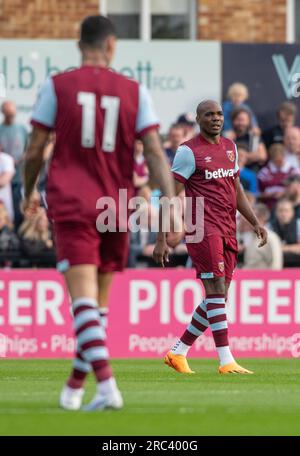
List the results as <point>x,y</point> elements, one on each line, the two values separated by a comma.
<point>111,105</point>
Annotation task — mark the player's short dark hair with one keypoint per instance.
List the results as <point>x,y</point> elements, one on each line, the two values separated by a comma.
<point>95,29</point>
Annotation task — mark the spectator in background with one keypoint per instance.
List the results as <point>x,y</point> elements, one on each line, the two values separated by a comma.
<point>271,178</point>
<point>188,123</point>
<point>287,226</point>
<point>242,128</point>
<point>243,228</point>
<point>269,256</point>
<point>292,146</point>
<point>176,136</point>
<point>248,177</point>
<point>286,117</point>
<point>292,192</point>
<point>7,171</point>
<point>36,240</point>
<point>140,169</point>
<point>143,241</point>
<point>236,97</point>
<point>8,240</point>
<point>13,139</point>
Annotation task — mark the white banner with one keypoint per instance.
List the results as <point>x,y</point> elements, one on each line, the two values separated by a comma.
<point>178,73</point>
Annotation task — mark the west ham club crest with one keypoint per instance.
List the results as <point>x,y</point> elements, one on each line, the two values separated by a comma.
<point>230,155</point>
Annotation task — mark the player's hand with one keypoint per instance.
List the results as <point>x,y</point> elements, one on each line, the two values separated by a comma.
<point>161,252</point>
<point>262,235</point>
<point>29,206</point>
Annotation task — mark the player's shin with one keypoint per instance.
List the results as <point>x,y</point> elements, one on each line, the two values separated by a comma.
<point>195,329</point>
<point>216,315</point>
<point>103,313</point>
<point>80,370</point>
<point>91,337</point>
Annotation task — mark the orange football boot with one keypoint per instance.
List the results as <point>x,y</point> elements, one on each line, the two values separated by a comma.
<point>233,368</point>
<point>178,362</point>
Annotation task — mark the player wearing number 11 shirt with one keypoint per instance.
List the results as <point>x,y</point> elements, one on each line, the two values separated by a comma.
<point>96,114</point>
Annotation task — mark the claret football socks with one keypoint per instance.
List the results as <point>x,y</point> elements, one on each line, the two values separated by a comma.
<point>91,354</point>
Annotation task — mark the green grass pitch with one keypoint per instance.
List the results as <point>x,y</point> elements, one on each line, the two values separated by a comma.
<point>158,401</point>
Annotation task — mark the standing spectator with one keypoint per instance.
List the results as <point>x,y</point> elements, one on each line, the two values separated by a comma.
<point>292,146</point>
<point>247,176</point>
<point>270,255</point>
<point>287,226</point>
<point>272,177</point>
<point>242,128</point>
<point>13,138</point>
<point>236,97</point>
<point>187,122</point>
<point>286,117</point>
<point>292,192</point>
<point>176,137</point>
<point>7,171</point>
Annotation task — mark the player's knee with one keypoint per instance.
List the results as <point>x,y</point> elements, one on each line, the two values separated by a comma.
<point>215,285</point>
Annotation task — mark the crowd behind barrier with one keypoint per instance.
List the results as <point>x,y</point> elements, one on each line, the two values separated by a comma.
<point>269,163</point>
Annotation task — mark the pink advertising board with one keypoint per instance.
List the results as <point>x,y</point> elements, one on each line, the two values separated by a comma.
<point>149,309</point>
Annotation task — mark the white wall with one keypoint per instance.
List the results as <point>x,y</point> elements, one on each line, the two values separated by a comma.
<point>178,73</point>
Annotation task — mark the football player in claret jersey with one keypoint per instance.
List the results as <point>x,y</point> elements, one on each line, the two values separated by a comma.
<point>207,166</point>
<point>96,114</point>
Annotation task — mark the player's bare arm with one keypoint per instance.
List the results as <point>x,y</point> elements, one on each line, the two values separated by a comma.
<point>34,159</point>
<point>160,175</point>
<point>243,206</point>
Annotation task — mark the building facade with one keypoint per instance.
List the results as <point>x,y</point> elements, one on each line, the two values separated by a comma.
<point>253,21</point>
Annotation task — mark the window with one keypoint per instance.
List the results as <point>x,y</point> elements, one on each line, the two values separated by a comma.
<point>170,19</point>
<point>125,14</point>
<point>152,19</point>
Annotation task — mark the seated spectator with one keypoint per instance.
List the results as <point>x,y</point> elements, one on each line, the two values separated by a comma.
<point>292,192</point>
<point>270,255</point>
<point>236,97</point>
<point>292,146</point>
<point>7,171</point>
<point>188,123</point>
<point>242,128</point>
<point>13,138</point>
<point>286,117</point>
<point>248,177</point>
<point>287,226</point>
<point>176,136</point>
<point>140,170</point>
<point>9,242</point>
<point>36,240</point>
<point>271,178</point>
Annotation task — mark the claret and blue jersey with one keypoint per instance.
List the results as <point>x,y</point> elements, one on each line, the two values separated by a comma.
<point>96,114</point>
<point>209,170</point>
